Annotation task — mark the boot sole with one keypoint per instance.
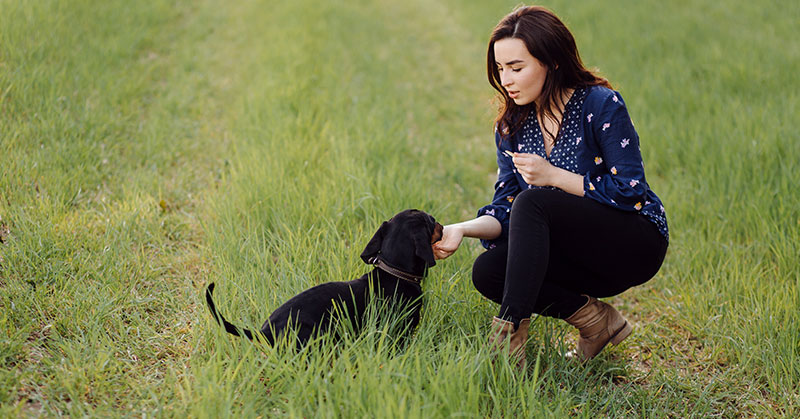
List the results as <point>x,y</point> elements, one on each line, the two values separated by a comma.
<point>621,334</point>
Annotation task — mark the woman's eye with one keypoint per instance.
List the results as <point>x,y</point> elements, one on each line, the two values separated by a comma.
<point>516,70</point>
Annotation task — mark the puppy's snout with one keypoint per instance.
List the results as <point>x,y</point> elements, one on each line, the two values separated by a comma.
<point>437,233</point>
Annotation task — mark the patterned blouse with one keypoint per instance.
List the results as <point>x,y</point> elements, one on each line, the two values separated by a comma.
<point>596,140</point>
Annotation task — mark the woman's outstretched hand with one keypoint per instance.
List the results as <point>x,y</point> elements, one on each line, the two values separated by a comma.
<point>451,240</point>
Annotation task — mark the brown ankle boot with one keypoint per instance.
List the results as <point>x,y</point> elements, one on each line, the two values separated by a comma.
<point>504,329</point>
<point>599,324</point>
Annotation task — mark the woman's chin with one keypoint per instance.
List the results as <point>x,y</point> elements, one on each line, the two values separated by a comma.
<point>520,101</point>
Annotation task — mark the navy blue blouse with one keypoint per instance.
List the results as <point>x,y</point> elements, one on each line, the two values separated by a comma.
<point>596,140</point>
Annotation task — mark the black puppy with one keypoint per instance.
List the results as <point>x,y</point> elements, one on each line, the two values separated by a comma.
<point>401,252</point>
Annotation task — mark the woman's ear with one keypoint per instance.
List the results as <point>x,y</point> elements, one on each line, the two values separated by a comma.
<point>374,245</point>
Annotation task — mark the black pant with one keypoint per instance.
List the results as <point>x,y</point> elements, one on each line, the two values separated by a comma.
<point>561,246</point>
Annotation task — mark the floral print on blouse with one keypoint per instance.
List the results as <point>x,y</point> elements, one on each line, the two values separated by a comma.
<point>597,140</point>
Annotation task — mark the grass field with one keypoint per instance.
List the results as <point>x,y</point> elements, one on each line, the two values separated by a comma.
<point>149,148</point>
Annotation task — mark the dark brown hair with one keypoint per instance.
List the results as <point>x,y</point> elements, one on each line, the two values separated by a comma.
<point>549,41</point>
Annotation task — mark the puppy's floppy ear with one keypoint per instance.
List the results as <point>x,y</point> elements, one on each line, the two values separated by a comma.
<point>374,245</point>
<point>423,248</point>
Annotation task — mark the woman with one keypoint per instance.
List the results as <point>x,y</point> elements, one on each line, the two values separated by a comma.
<point>572,218</point>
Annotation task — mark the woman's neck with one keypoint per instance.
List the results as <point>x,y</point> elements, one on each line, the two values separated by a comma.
<point>560,103</point>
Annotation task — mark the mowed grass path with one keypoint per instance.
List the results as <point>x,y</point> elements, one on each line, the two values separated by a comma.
<point>148,149</point>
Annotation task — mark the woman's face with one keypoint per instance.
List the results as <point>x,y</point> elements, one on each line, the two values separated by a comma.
<point>521,74</point>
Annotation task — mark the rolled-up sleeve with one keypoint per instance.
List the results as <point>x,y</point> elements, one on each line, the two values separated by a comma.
<point>618,178</point>
<point>505,189</point>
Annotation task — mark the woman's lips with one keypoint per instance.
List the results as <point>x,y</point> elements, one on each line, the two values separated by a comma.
<point>513,94</point>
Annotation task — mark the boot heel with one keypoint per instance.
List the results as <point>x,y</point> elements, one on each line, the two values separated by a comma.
<point>622,334</point>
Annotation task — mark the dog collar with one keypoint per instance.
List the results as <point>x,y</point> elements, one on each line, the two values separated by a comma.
<point>380,264</point>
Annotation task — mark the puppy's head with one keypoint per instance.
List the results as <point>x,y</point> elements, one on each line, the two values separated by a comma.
<point>404,242</point>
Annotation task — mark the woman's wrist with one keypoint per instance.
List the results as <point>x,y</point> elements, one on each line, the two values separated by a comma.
<point>566,181</point>
<point>483,227</point>
<point>456,228</point>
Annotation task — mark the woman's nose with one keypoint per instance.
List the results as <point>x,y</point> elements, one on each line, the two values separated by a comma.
<point>505,80</point>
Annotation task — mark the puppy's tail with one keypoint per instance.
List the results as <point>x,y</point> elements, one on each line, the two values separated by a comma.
<point>230,327</point>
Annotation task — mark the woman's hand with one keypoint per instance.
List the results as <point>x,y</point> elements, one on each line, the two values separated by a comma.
<point>451,239</point>
<point>535,169</point>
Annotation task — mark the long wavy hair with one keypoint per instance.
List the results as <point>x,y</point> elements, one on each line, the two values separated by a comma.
<point>549,41</point>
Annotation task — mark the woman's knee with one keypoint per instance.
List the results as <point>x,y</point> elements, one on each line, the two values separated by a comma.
<point>536,199</point>
<point>488,276</point>
<point>480,272</point>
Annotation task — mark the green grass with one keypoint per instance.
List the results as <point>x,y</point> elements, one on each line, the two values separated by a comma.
<point>150,148</point>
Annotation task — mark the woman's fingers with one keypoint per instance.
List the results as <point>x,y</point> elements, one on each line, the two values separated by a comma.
<point>440,253</point>
<point>442,246</point>
<point>526,159</point>
<point>532,167</point>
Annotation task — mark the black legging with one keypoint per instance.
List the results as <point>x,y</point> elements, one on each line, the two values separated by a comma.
<point>561,246</point>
